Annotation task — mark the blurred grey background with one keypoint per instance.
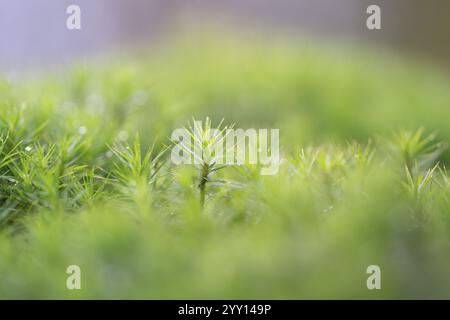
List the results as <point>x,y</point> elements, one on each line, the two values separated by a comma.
<point>33,32</point>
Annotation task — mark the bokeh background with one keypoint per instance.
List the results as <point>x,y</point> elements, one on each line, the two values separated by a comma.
<point>32,32</point>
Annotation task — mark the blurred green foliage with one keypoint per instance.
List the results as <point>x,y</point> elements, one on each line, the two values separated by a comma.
<point>360,184</point>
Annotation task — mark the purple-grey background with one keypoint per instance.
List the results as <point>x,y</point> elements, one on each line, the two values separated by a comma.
<point>33,32</point>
